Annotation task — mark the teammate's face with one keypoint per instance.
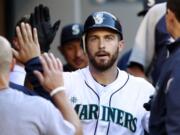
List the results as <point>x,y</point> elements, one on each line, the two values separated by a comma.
<point>103,47</point>
<point>74,54</point>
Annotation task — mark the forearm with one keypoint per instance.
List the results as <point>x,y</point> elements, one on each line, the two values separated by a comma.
<point>30,66</point>
<point>62,103</point>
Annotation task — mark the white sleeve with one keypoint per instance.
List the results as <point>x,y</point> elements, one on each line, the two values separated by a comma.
<point>55,124</point>
<point>144,44</point>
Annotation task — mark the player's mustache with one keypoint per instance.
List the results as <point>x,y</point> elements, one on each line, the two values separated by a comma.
<point>102,53</point>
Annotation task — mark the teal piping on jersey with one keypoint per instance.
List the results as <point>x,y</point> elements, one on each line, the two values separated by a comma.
<point>109,103</point>
<point>111,98</point>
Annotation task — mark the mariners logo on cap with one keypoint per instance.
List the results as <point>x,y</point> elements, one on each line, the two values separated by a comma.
<point>98,18</point>
<point>75,29</point>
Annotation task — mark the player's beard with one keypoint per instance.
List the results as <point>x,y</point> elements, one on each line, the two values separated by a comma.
<point>103,65</point>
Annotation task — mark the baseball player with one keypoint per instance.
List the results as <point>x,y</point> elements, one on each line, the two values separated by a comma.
<point>165,110</point>
<point>151,37</point>
<point>71,47</point>
<point>108,101</point>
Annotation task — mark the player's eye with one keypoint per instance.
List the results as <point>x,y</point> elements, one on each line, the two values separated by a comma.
<point>109,37</point>
<point>92,38</point>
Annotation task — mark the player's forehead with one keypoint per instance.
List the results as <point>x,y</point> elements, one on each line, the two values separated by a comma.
<point>100,32</point>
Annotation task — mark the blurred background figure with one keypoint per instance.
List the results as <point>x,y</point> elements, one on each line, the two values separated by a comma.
<point>147,4</point>
<point>165,108</point>
<point>70,47</point>
<point>123,63</point>
<point>148,53</point>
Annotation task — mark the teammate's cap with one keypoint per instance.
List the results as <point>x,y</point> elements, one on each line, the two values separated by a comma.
<point>71,32</point>
<point>103,19</point>
<point>147,4</point>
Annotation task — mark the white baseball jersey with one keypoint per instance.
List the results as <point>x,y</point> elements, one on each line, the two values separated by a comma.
<point>115,109</point>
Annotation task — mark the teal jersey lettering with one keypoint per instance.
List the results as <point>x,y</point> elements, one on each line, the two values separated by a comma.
<point>108,114</point>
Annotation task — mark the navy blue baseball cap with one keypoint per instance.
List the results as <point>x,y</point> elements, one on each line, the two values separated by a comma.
<point>71,32</point>
<point>147,4</point>
<point>103,19</point>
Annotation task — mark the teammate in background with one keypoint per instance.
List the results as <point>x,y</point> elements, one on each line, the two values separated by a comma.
<point>19,116</point>
<point>147,4</point>
<point>148,54</point>
<point>165,110</point>
<point>71,47</point>
<point>107,100</point>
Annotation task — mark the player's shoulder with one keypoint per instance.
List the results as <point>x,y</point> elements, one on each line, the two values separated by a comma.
<point>139,80</point>
<point>29,101</point>
<point>142,83</point>
<point>157,9</point>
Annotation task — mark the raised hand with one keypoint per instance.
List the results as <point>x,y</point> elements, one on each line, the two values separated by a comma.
<point>28,43</point>
<point>52,76</point>
<point>46,31</point>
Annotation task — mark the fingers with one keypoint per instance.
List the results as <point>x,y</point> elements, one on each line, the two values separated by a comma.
<point>26,37</point>
<point>19,35</point>
<point>50,62</point>
<point>39,75</point>
<point>36,37</point>
<point>56,25</point>
<point>54,61</point>
<point>44,63</point>
<point>41,12</point>
<point>32,20</point>
<point>46,14</point>
<point>29,32</point>
<point>37,15</point>
<point>24,32</point>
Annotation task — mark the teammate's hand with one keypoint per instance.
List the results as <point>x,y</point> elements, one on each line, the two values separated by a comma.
<point>42,21</point>
<point>28,43</point>
<point>52,76</point>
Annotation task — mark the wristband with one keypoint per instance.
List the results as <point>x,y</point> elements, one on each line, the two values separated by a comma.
<point>57,90</point>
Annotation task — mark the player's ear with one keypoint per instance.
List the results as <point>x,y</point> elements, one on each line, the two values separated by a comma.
<point>121,45</point>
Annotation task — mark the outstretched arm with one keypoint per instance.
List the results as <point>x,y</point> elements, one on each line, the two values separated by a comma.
<point>28,53</point>
<point>52,80</point>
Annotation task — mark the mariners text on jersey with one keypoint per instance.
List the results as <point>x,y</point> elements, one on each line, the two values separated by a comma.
<point>109,114</point>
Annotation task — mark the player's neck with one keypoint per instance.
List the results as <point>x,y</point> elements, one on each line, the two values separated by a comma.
<point>105,77</point>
